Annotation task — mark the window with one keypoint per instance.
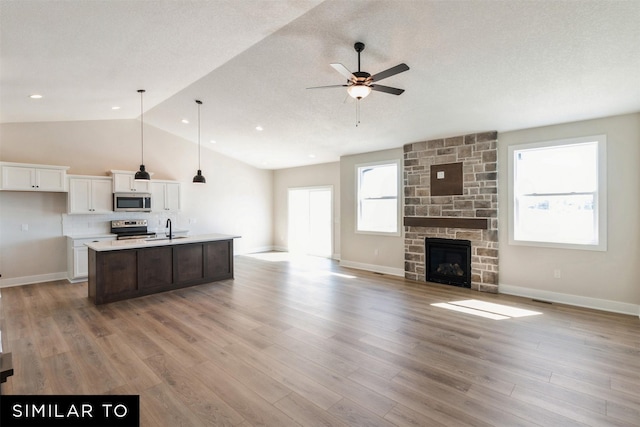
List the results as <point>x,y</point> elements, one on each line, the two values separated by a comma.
<point>377,187</point>
<point>558,196</point>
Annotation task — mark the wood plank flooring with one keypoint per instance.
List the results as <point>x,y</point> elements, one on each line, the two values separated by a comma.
<point>306,342</point>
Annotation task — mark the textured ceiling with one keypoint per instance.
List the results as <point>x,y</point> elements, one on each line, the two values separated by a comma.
<point>475,66</point>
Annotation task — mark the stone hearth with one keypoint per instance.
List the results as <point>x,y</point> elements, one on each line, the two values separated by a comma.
<point>468,209</point>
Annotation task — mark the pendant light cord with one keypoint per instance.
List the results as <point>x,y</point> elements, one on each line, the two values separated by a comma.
<point>141,91</point>
<point>199,104</point>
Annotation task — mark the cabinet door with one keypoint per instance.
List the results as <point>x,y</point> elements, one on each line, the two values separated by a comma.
<point>158,196</point>
<point>188,263</point>
<point>172,196</point>
<point>88,195</point>
<point>141,186</point>
<point>18,178</point>
<point>165,196</point>
<point>79,195</point>
<point>117,272</point>
<point>50,180</point>
<point>219,259</point>
<point>122,183</point>
<point>101,196</point>
<point>80,262</point>
<point>126,183</point>
<point>155,268</point>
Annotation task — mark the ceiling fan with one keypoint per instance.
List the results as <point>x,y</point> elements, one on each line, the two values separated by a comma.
<point>360,83</point>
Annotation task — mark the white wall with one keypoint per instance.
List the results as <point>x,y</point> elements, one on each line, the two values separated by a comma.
<point>607,280</point>
<point>383,254</point>
<point>327,174</point>
<point>40,251</point>
<point>237,198</point>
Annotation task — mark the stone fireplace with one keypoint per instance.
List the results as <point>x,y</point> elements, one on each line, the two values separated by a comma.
<point>451,192</point>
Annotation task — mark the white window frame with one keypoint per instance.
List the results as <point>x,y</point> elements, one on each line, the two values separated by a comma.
<point>600,210</point>
<point>359,166</point>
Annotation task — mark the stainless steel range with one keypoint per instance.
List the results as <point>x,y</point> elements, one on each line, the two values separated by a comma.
<point>131,229</point>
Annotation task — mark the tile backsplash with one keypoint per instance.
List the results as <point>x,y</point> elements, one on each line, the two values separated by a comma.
<point>81,225</point>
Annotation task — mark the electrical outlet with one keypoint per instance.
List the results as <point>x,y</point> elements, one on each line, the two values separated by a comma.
<point>557,273</point>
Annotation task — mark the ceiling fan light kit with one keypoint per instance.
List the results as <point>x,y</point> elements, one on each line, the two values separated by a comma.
<point>142,174</point>
<point>360,83</point>
<point>359,91</point>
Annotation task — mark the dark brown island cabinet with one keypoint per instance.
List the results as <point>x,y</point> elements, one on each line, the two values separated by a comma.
<point>119,271</point>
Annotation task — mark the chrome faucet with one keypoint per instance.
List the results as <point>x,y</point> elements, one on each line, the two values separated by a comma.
<point>170,236</point>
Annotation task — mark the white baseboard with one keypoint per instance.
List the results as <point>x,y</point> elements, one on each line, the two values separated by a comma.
<point>255,250</point>
<point>576,300</point>
<point>27,280</point>
<point>373,267</point>
<point>286,249</point>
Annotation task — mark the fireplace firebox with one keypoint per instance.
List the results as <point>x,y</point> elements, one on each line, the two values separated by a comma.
<point>448,261</point>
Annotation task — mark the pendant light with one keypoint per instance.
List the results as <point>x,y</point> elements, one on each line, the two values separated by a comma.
<point>199,179</point>
<point>142,174</point>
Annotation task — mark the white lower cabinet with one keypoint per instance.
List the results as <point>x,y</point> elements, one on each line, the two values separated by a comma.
<point>80,262</point>
<point>78,257</point>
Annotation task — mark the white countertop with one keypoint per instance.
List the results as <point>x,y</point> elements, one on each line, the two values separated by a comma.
<point>115,245</point>
<point>91,236</point>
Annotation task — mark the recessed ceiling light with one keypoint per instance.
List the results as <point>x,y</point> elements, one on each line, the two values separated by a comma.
<point>115,107</point>
<point>185,121</point>
<point>259,128</point>
<point>213,141</point>
<point>35,96</point>
<point>312,156</point>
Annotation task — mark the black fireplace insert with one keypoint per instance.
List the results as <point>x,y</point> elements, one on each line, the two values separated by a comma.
<point>448,261</point>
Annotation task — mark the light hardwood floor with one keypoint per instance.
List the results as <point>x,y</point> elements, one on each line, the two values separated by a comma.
<point>306,342</point>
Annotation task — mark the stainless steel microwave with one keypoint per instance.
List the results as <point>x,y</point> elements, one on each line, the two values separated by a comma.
<point>132,202</point>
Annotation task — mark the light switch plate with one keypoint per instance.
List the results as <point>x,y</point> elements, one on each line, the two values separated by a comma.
<point>440,175</point>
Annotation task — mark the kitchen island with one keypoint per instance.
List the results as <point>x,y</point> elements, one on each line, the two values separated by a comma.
<point>122,269</point>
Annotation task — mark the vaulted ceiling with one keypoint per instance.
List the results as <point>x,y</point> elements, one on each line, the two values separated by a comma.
<point>475,66</point>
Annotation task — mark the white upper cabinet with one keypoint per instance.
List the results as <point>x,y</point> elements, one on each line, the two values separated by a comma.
<point>165,196</point>
<point>124,182</point>
<point>29,177</point>
<point>90,195</point>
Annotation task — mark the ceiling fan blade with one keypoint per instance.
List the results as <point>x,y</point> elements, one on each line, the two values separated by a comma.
<point>344,71</point>
<point>325,87</point>
<point>390,72</point>
<point>387,89</point>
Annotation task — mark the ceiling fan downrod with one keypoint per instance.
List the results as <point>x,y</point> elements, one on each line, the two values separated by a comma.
<point>359,47</point>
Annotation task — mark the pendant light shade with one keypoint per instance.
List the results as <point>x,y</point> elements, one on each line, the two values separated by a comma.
<point>142,174</point>
<point>199,179</point>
